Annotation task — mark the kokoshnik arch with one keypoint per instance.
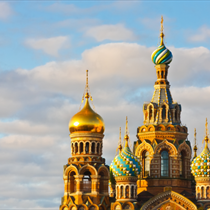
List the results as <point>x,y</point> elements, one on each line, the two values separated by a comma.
<point>156,175</point>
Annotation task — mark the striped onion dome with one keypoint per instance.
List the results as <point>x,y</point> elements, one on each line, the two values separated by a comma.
<point>200,166</point>
<point>161,55</point>
<point>126,163</point>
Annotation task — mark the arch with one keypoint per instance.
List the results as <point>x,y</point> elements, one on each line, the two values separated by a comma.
<point>69,169</point>
<point>184,146</point>
<point>163,112</point>
<point>72,207</point>
<point>143,128</point>
<point>144,146</point>
<point>93,145</point>
<point>81,147</point>
<point>151,127</point>
<point>164,163</point>
<point>145,163</point>
<point>72,182</point>
<point>127,191</point>
<point>82,207</point>
<point>121,191</point>
<point>76,147</point>
<point>92,170</point>
<point>128,205</point>
<point>87,146</point>
<point>164,198</point>
<point>170,128</point>
<point>72,147</point>
<point>105,170</point>
<point>202,192</point>
<point>160,127</point>
<point>117,206</point>
<point>165,145</point>
<point>98,148</point>
<point>64,207</point>
<point>150,112</point>
<point>93,207</point>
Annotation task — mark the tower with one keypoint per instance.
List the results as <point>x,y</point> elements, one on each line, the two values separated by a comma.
<point>201,171</point>
<point>125,168</point>
<point>85,175</point>
<point>162,146</point>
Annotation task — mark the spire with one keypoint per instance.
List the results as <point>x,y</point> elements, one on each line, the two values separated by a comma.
<point>207,134</point>
<point>126,137</point>
<point>119,143</point>
<point>87,92</point>
<point>161,31</point>
<point>195,147</point>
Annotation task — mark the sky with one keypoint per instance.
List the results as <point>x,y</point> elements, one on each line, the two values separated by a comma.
<point>45,49</point>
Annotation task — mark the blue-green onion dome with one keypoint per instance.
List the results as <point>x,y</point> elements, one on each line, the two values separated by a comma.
<point>126,163</point>
<point>161,55</point>
<point>200,166</point>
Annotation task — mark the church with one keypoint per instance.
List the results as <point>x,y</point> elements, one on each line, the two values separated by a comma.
<point>158,173</point>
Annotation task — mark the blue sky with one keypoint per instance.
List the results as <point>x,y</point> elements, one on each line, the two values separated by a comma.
<point>45,49</point>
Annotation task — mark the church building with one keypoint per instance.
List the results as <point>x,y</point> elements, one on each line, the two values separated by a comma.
<point>159,174</point>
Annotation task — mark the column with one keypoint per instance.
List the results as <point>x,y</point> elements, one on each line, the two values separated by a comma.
<point>79,148</point>
<point>96,147</point>
<point>78,179</point>
<point>130,188</point>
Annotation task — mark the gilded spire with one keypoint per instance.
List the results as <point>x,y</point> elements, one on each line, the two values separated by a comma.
<point>195,147</point>
<point>87,92</point>
<point>119,143</point>
<point>207,134</point>
<point>126,137</point>
<point>161,31</point>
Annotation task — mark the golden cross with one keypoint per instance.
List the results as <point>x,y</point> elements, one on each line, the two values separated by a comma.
<point>161,28</point>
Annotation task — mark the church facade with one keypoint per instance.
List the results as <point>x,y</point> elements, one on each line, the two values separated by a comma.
<point>159,174</point>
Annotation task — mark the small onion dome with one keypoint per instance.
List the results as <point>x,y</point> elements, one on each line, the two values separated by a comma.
<point>87,120</point>
<point>200,166</point>
<point>125,164</point>
<point>161,55</point>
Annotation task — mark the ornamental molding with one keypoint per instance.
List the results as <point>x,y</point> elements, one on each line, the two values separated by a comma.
<point>165,145</point>
<point>168,195</point>
<point>184,146</point>
<point>86,134</point>
<point>142,147</point>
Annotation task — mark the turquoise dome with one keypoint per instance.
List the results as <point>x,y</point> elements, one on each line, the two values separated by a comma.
<point>125,164</point>
<point>200,166</point>
<point>161,55</point>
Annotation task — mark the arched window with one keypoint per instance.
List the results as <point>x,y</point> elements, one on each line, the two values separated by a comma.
<point>161,74</point>
<point>72,182</point>
<point>150,112</point>
<point>182,164</point>
<point>101,184</point>
<point>202,193</point>
<point>86,182</point>
<point>93,147</point>
<point>163,112</point>
<point>132,192</point>
<point>127,192</point>
<point>72,146</point>
<point>76,147</point>
<point>176,113</point>
<point>146,163</point>
<point>164,164</point>
<point>98,147</point>
<point>87,147</point>
<point>81,147</point>
<point>121,191</point>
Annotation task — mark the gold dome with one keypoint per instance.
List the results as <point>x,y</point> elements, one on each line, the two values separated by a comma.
<point>86,120</point>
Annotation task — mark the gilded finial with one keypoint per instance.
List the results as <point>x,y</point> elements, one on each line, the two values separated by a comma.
<point>86,86</point>
<point>195,146</point>
<point>161,31</point>
<point>207,134</point>
<point>119,143</point>
<point>126,137</point>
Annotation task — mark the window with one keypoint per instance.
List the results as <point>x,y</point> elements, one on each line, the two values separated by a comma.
<point>86,182</point>
<point>93,147</point>
<point>163,112</point>
<point>81,147</point>
<point>164,164</point>
<point>150,112</point>
<point>87,147</point>
<point>146,164</point>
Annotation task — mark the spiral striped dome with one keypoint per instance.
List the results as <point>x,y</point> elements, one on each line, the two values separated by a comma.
<point>161,55</point>
<point>200,166</point>
<point>125,164</point>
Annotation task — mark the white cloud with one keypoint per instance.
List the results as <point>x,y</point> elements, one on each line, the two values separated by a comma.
<point>5,10</point>
<point>50,46</point>
<point>121,77</point>
<point>116,32</point>
<point>202,35</point>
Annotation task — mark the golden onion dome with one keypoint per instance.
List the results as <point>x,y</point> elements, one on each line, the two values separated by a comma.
<point>87,120</point>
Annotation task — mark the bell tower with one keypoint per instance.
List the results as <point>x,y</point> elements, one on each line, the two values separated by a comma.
<point>162,144</point>
<point>86,176</point>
